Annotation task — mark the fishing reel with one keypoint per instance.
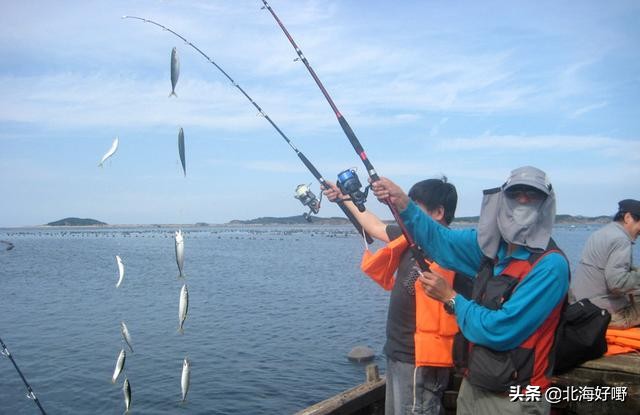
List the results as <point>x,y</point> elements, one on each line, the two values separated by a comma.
<point>308,199</point>
<point>349,184</point>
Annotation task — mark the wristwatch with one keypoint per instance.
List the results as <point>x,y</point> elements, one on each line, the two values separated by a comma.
<point>450,305</point>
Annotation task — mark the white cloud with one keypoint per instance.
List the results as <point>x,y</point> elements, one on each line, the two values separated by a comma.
<point>581,111</point>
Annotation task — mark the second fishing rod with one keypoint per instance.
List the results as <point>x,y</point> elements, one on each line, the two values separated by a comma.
<point>301,156</point>
<point>348,175</point>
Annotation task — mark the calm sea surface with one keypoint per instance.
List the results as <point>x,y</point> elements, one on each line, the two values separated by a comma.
<point>273,311</point>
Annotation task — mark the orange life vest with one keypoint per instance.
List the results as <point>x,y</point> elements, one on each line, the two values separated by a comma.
<point>435,328</point>
<point>623,341</point>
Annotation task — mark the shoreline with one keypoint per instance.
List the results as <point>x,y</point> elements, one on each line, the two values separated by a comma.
<point>239,224</point>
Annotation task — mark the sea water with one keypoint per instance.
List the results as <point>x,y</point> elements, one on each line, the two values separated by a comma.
<point>273,312</point>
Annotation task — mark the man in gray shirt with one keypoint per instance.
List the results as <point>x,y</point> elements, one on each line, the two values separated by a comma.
<point>606,274</point>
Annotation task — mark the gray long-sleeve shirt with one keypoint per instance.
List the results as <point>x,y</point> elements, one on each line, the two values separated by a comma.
<point>605,274</point>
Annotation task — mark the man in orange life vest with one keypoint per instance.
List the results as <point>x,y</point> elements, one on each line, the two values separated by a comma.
<point>419,332</point>
<point>520,287</point>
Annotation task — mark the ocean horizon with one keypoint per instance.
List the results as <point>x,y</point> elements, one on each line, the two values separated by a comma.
<point>273,313</point>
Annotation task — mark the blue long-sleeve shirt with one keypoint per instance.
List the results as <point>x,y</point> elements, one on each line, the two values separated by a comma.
<point>530,304</point>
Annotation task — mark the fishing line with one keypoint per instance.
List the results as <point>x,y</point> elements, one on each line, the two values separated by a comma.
<point>417,251</point>
<point>31,394</point>
<point>302,157</point>
<point>364,238</point>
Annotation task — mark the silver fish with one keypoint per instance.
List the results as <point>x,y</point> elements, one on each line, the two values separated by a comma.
<point>110,152</point>
<point>175,71</point>
<point>186,378</point>
<point>126,389</point>
<point>183,307</point>
<point>126,335</point>
<point>181,150</point>
<point>120,270</point>
<point>119,365</point>
<point>180,252</point>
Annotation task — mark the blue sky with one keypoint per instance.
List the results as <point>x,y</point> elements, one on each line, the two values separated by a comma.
<point>466,89</point>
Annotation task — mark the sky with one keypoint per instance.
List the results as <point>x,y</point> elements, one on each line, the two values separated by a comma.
<point>466,89</point>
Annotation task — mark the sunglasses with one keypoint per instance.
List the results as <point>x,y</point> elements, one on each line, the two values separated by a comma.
<point>531,194</point>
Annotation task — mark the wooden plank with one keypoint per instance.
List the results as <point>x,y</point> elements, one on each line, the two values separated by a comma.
<point>617,370</point>
<point>608,371</point>
<point>349,401</point>
<point>626,363</point>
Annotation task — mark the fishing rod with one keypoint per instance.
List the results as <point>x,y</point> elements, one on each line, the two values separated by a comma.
<point>301,156</point>
<point>31,394</point>
<point>348,176</point>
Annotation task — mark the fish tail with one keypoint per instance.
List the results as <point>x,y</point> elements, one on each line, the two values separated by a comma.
<point>173,94</point>
<point>181,329</point>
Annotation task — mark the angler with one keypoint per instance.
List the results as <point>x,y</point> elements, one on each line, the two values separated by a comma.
<point>347,179</point>
<point>302,157</point>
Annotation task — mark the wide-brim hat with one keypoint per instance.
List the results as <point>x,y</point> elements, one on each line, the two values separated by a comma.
<point>529,176</point>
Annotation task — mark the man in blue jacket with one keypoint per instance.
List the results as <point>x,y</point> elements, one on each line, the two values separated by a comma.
<point>520,286</point>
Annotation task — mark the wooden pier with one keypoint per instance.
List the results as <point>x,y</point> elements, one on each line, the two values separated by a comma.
<point>609,371</point>
<point>364,399</point>
<point>619,371</point>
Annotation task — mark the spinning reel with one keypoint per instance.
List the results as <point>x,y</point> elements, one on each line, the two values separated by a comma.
<point>307,198</point>
<point>349,184</point>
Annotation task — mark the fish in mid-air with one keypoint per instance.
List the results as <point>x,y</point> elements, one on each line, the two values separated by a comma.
<point>119,365</point>
<point>120,270</point>
<point>186,378</point>
<point>126,389</point>
<point>181,150</point>
<point>183,307</point>
<point>110,152</point>
<point>175,71</point>
<point>126,335</point>
<point>180,252</point>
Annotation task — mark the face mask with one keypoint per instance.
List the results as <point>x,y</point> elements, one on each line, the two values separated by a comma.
<point>525,215</point>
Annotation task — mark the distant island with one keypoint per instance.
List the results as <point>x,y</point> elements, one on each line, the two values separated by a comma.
<point>317,220</point>
<point>76,222</point>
